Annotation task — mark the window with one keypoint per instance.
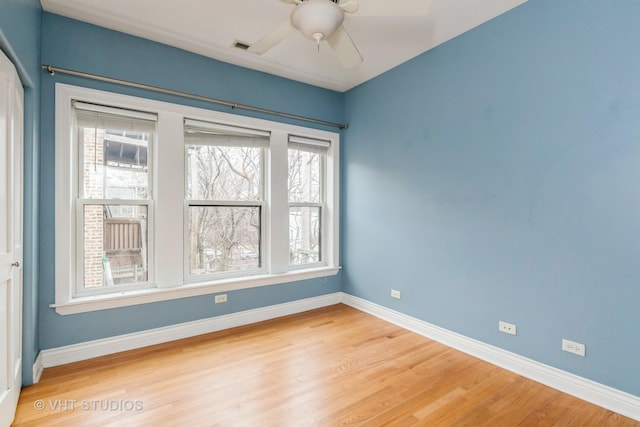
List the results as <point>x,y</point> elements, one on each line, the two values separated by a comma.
<point>225,198</point>
<point>156,201</point>
<point>306,199</point>
<point>114,200</point>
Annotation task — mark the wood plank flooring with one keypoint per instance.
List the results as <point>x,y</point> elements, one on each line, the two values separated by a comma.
<point>335,366</point>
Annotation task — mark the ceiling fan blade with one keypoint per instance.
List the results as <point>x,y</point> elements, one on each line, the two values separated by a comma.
<point>344,48</point>
<point>393,8</point>
<point>349,6</point>
<point>273,38</point>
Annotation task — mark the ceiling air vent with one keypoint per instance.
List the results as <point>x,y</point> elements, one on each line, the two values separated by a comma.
<point>241,45</point>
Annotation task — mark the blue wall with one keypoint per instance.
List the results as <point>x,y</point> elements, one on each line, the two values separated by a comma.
<point>20,22</point>
<point>74,45</point>
<point>492,178</point>
<point>497,177</point>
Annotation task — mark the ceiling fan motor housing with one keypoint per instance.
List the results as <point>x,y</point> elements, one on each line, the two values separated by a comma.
<point>317,19</point>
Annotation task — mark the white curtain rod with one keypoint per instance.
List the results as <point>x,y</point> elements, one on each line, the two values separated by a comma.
<point>52,70</point>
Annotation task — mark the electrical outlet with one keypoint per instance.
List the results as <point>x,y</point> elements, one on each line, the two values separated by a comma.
<point>221,298</point>
<point>395,294</point>
<point>507,328</point>
<point>574,347</point>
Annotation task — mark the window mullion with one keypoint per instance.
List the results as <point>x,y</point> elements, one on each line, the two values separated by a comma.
<point>305,205</point>
<point>169,193</point>
<point>256,203</point>
<point>79,248</point>
<point>279,209</point>
<point>116,202</point>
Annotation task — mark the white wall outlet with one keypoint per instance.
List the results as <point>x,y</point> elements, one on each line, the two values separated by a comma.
<point>507,328</point>
<point>395,294</point>
<point>574,347</point>
<point>221,298</point>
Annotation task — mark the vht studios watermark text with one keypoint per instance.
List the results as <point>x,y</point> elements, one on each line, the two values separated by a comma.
<point>63,405</point>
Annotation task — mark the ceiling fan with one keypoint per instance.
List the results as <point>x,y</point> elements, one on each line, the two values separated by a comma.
<point>321,20</point>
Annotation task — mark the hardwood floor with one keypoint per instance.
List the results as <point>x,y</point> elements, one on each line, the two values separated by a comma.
<point>328,367</point>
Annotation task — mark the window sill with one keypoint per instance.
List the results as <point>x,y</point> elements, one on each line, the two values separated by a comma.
<point>145,296</point>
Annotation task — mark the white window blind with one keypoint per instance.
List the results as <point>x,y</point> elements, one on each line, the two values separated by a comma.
<point>103,117</point>
<point>205,133</point>
<point>309,142</point>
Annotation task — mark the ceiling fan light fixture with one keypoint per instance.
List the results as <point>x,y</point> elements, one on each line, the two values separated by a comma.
<point>317,19</point>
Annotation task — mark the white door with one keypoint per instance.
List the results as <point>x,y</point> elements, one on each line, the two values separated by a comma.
<point>11,125</point>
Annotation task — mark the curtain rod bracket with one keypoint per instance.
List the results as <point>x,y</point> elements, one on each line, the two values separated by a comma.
<point>53,70</point>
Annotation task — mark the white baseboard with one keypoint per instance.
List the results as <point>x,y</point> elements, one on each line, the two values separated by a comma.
<point>582,388</point>
<point>37,369</point>
<point>102,347</point>
<point>615,400</point>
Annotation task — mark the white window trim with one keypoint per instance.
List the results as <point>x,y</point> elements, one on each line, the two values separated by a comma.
<point>82,200</point>
<point>170,283</point>
<point>259,203</point>
<point>324,145</point>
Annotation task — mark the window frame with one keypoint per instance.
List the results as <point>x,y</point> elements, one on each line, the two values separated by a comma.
<point>322,151</point>
<point>82,200</point>
<point>192,278</point>
<point>260,204</point>
<point>167,278</point>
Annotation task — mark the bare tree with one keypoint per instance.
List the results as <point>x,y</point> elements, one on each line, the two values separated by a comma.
<point>304,221</point>
<point>223,233</point>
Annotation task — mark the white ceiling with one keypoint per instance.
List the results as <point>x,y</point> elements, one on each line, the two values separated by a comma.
<point>210,28</point>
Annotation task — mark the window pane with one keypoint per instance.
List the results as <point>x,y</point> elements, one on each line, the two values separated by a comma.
<point>304,235</point>
<point>304,176</point>
<point>224,173</point>
<point>223,238</point>
<point>115,163</point>
<point>115,245</point>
